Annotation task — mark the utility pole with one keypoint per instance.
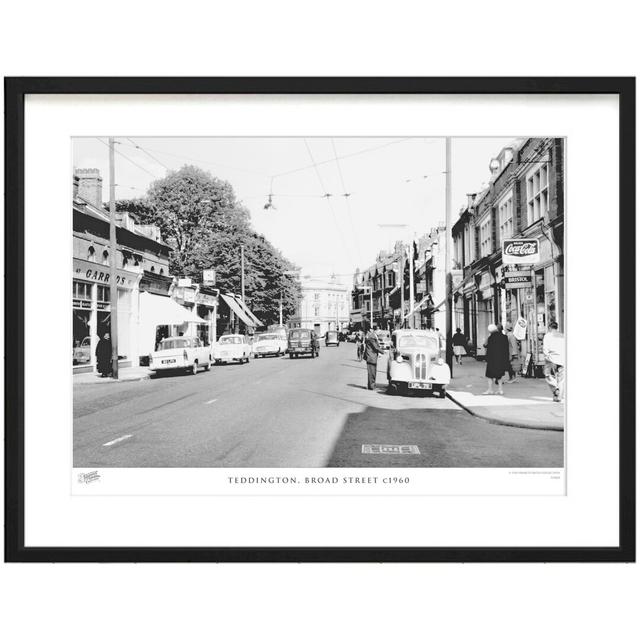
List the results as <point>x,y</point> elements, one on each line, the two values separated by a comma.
<point>447,258</point>
<point>411,285</point>
<point>242,272</point>
<point>401,274</point>
<point>113,252</point>
<point>281,305</point>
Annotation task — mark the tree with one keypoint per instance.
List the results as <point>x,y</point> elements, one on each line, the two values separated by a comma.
<point>201,219</point>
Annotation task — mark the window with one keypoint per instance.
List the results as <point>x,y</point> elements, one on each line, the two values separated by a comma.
<point>105,257</point>
<point>537,194</point>
<point>81,290</point>
<point>91,254</point>
<point>505,217</point>
<point>316,296</point>
<point>485,237</point>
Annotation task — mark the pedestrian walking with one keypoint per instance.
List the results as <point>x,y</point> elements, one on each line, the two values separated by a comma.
<point>514,355</point>
<point>497,357</point>
<point>553,349</point>
<point>360,344</point>
<point>459,342</point>
<point>371,352</point>
<point>104,353</point>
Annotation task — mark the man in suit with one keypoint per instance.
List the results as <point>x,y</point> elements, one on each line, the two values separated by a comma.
<point>371,351</point>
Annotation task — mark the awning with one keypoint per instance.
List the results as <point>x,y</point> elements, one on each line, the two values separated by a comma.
<point>159,310</point>
<point>252,316</point>
<point>237,308</point>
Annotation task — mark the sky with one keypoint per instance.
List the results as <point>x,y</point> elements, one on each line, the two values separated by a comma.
<point>390,181</point>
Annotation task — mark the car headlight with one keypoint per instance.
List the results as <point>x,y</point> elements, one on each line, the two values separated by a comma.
<point>399,358</point>
<point>440,361</point>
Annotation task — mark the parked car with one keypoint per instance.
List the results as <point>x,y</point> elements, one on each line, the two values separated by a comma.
<point>232,348</point>
<point>269,344</point>
<point>82,352</point>
<point>384,338</point>
<point>303,342</point>
<point>414,362</point>
<point>331,338</point>
<point>180,353</point>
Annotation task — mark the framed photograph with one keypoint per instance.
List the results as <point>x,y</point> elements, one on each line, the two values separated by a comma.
<point>320,319</point>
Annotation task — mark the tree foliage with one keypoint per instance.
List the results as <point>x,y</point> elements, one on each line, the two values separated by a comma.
<point>201,219</point>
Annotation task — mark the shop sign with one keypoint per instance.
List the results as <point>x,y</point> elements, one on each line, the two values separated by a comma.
<point>520,329</point>
<point>517,279</point>
<point>521,251</point>
<point>184,282</point>
<point>206,299</point>
<point>85,270</point>
<point>209,276</point>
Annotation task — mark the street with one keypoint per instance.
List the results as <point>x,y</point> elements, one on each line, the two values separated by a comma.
<point>278,412</point>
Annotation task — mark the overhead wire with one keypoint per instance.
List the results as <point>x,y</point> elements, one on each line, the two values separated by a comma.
<point>346,197</point>
<point>129,159</point>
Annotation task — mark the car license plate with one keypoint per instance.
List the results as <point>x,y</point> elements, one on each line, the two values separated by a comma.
<point>419,385</point>
<point>172,361</point>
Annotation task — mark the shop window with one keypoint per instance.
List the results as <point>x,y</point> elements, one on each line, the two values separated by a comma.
<point>537,194</point>
<point>91,254</point>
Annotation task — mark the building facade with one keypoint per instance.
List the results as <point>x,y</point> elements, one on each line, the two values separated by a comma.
<point>523,201</point>
<point>142,262</point>
<point>382,294</point>
<point>324,305</point>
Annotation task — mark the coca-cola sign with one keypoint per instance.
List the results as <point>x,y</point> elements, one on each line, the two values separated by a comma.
<point>521,251</point>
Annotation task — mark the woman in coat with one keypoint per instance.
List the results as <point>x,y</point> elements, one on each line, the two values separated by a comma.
<point>497,358</point>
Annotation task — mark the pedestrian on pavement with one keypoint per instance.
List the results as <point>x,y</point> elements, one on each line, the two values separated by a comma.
<point>442,343</point>
<point>514,355</point>
<point>497,357</point>
<point>459,341</point>
<point>104,354</point>
<point>360,344</point>
<point>553,349</point>
<point>371,352</point>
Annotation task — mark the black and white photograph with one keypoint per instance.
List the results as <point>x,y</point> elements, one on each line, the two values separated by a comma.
<point>318,302</point>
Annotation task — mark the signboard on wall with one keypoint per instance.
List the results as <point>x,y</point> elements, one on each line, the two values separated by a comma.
<point>517,279</point>
<point>520,329</point>
<point>209,276</point>
<point>525,251</point>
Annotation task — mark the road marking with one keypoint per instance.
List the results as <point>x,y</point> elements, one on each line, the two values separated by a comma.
<point>108,444</point>
<point>211,401</point>
<point>391,448</point>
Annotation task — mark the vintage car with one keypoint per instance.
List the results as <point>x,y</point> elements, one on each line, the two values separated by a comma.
<point>303,342</point>
<point>232,348</point>
<point>180,353</point>
<point>331,338</point>
<point>384,338</point>
<point>415,364</point>
<point>82,351</point>
<point>269,344</point>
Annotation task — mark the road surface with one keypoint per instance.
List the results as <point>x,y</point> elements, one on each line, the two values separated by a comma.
<point>281,412</point>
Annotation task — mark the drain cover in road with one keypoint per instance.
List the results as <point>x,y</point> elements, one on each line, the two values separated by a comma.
<point>391,448</point>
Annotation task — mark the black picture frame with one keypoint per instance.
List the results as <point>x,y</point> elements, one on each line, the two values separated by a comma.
<point>15,91</point>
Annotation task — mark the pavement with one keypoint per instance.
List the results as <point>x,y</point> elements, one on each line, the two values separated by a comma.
<point>127,374</point>
<point>281,412</point>
<point>526,403</point>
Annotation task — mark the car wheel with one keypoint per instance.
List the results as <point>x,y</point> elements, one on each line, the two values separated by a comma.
<point>208,367</point>
<point>291,356</point>
<point>392,389</point>
<point>194,368</point>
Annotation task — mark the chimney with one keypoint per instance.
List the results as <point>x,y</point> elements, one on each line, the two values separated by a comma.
<point>89,186</point>
<point>470,198</point>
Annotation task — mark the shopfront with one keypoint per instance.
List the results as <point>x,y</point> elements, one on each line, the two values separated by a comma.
<point>91,312</point>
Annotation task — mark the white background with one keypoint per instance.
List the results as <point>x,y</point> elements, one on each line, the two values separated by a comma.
<point>320,601</point>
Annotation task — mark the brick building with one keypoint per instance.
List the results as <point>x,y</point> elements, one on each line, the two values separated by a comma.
<point>524,200</point>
